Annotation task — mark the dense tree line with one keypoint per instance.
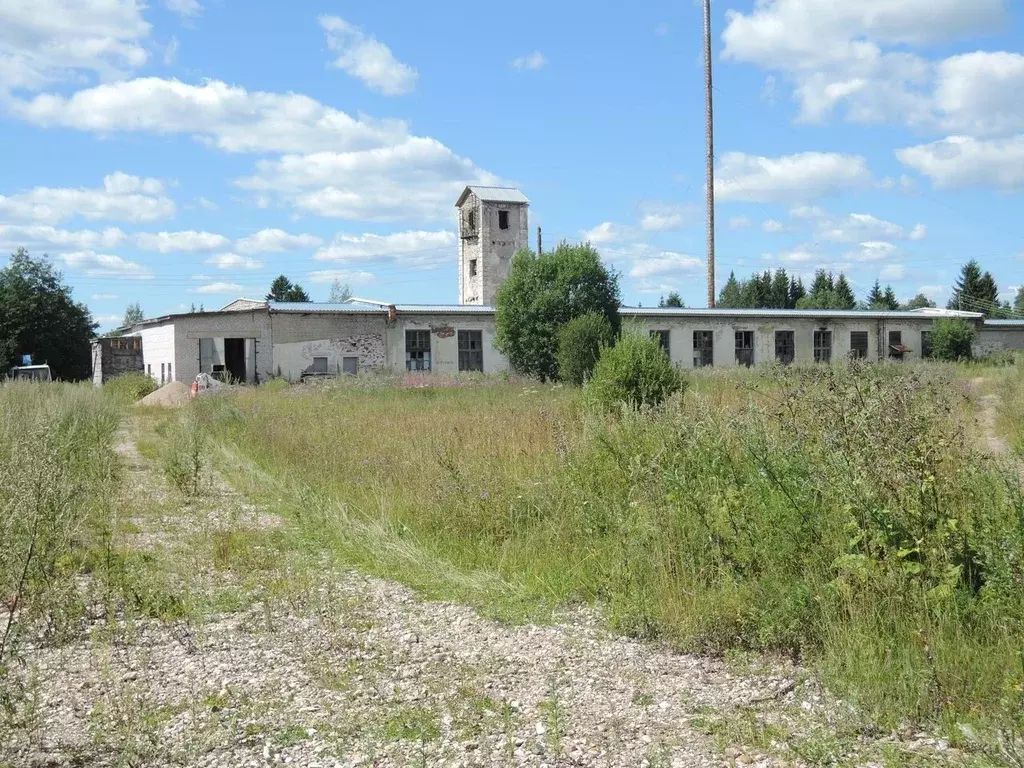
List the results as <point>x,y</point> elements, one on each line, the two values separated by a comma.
<point>41,318</point>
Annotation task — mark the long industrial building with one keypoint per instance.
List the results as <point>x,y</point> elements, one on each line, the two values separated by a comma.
<point>251,340</point>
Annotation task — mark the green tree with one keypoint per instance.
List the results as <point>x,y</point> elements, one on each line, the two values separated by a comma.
<point>975,291</point>
<point>919,302</point>
<point>132,315</point>
<point>890,300</point>
<point>341,293</point>
<point>673,300</point>
<point>41,318</point>
<point>283,289</point>
<point>1018,301</point>
<point>780,290</point>
<point>952,339</point>
<point>731,295</point>
<point>580,342</point>
<point>796,292</point>
<point>844,294</point>
<point>541,294</point>
<point>874,297</point>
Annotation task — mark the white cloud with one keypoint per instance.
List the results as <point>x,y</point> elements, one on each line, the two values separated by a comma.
<point>221,115</point>
<point>807,212</point>
<point>933,291</point>
<point>664,263</point>
<point>858,227</point>
<point>772,225</point>
<point>276,241</point>
<point>350,276</point>
<point>122,198</point>
<point>533,61</point>
<point>975,92</point>
<point>207,204</point>
<point>47,41</point>
<point>105,265</point>
<point>104,296</point>
<point>798,256</point>
<point>961,161</point>
<point>651,286</point>
<point>854,53</point>
<point>873,250</point>
<point>109,321</point>
<point>410,249</point>
<point>739,222</point>
<point>12,236</point>
<point>219,288</point>
<point>418,179</point>
<point>180,242</point>
<point>184,7</point>
<point>364,57</point>
<point>892,272</point>
<point>657,217</point>
<point>808,175</point>
<point>605,232</point>
<point>233,261</point>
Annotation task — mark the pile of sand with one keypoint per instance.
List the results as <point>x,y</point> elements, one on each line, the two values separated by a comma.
<point>168,396</point>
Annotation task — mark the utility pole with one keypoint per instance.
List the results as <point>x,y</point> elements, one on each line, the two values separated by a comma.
<point>540,249</point>
<point>709,130</point>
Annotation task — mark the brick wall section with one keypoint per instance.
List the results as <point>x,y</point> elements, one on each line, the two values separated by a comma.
<point>298,338</point>
<point>113,356</point>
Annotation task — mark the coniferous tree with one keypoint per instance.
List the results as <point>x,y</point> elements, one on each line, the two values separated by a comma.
<point>796,292</point>
<point>874,297</point>
<point>731,295</point>
<point>975,291</point>
<point>845,298</point>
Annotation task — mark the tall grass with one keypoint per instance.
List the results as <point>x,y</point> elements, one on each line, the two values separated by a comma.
<point>57,475</point>
<point>839,515</point>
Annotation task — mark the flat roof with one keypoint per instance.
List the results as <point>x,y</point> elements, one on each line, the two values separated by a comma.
<point>849,314</point>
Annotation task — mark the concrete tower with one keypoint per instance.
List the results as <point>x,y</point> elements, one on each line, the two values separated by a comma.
<point>493,226</point>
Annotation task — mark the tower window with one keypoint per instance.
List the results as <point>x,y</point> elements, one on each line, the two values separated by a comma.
<point>502,219</point>
<point>472,267</point>
<point>472,221</point>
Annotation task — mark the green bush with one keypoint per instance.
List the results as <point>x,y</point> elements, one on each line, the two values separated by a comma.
<point>579,346</point>
<point>952,339</point>
<point>130,387</point>
<point>636,371</point>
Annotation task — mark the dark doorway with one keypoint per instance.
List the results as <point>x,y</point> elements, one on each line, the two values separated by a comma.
<point>234,359</point>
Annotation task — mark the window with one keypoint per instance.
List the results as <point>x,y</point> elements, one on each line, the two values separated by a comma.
<point>472,221</point>
<point>162,373</point>
<point>319,365</point>
<point>472,267</point>
<point>169,376</point>
<point>417,350</point>
<point>663,340</point>
<point>745,348</point>
<point>896,344</point>
<point>785,347</point>
<point>350,365</point>
<point>823,346</point>
<point>149,370</point>
<point>703,349</point>
<point>471,351</point>
<point>859,345</point>
<point>502,219</point>
<point>926,344</point>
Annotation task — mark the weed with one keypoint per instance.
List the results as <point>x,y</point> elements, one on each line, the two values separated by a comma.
<point>183,455</point>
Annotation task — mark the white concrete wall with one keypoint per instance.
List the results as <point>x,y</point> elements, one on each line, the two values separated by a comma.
<point>254,326</point>
<point>158,348</point>
<point>444,340</point>
<point>996,338</point>
<point>681,331</point>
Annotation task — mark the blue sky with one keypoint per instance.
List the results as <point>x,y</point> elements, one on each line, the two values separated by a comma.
<point>188,151</point>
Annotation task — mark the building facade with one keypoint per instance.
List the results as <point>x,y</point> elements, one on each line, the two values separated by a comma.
<point>250,340</point>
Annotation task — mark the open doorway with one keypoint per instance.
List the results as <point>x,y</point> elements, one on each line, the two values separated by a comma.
<point>234,359</point>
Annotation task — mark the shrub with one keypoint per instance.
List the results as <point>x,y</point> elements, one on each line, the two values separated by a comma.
<point>130,387</point>
<point>579,346</point>
<point>952,339</point>
<point>636,371</point>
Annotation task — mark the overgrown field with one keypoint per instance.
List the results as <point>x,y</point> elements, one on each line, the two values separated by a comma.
<point>841,515</point>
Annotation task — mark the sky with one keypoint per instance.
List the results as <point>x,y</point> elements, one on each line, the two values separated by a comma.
<point>186,152</point>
